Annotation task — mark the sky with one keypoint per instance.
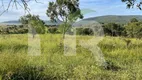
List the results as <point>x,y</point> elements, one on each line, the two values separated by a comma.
<point>90,8</point>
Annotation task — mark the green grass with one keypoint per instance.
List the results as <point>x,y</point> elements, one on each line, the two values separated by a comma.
<point>124,63</point>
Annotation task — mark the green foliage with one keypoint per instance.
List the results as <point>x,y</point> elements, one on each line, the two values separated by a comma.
<point>64,29</point>
<point>52,30</point>
<point>84,31</point>
<point>113,29</point>
<point>118,19</point>
<point>34,22</point>
<point>134,29</point>
<point>134,20</point>
<point>14,30</point>
<point>67,11</point>
<point>26,73</point>
<point>131,3</point>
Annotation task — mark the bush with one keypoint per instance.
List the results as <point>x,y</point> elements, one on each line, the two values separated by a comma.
<point>14,30</point>
<point>113,29</point>
<point>84,31</point>
<point>52,30</point>
<point>134,29</point>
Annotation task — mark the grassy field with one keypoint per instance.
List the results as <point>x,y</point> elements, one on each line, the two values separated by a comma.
<point>123,62</point>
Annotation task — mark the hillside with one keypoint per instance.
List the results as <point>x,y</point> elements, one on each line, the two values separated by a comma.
<point>120,19</point>
<point>114,18</point>
<point>13,22</point>
<point>16,22</point>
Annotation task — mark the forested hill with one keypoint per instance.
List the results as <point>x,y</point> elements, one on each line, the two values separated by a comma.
<point>16,22</point>
<point>119,19</point>
<point>114,18</point>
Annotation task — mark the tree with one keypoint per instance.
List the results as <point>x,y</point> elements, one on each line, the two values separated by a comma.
<point>113,29</point>
<point>134,29</point>
<point>131,3</point>
<point>35,24</point>
<point>67,11</point>
<point>133,20</point>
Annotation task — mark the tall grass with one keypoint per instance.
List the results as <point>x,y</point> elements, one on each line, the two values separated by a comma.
<point>124,63</point>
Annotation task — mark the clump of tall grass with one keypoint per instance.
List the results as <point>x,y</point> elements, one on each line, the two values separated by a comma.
<point>122,63</point>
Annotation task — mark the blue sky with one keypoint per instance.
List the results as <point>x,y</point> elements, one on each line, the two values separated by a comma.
<point>95,7</point>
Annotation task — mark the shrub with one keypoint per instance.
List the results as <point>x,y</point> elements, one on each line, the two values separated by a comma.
<point>113,29</point>
<point>134,29</point>
<point>52,30</point>
<point>14,30</point>
<point>84,31</point>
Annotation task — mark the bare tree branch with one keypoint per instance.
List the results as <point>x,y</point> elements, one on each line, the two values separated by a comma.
<point>15,3</point>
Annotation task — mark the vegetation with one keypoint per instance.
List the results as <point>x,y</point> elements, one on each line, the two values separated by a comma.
<point>134,20</point>
<point>134,29</point>
<point>19,29</point>
<point>53,30</point>
<point>121,47</point>
<point>132,3</point>
<point>67,11</point>
<point>34,24</point>
<point>84,31</point>
<point>118,19</point>
<point>113,29</point>
<point>124,63</point>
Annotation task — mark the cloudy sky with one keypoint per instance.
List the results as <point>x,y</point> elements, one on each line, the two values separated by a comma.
<point>90,8</point>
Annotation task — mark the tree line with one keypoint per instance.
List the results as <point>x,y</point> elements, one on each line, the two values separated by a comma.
<point>131,29</point>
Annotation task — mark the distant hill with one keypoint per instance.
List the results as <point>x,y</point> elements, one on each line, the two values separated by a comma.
<point>13,22</point>
<point>114,18</point>
<point>16,22</point>
<point>120,19</point>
